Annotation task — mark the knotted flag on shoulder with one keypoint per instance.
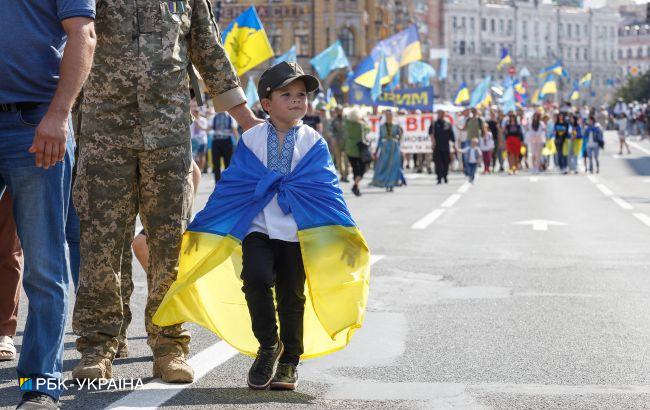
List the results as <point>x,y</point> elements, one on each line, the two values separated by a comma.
<point>335,255</point>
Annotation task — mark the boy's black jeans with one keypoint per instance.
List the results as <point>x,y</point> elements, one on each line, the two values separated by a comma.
<point>268,262</point>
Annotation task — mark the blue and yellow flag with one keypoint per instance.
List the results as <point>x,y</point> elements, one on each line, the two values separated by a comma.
<point>480,96</point>
<point>575,92</point>
<point>462,94</point>
<point>208,288</point>
<point>549,86</point>
<point>382,71</point>
<point>245,41</point>
<point>399,50</point>
<point>555,68</point>
<point>585,81</point>
<point>505,58</point>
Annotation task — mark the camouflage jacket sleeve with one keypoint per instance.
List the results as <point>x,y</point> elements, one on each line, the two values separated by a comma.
<point>209,57</point>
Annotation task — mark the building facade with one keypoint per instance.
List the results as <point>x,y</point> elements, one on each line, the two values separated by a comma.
<point>634,40</point>
<point>536,35</point>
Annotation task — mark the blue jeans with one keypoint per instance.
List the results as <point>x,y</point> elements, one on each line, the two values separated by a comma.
<point>41,200</point>
<point>471,170</point>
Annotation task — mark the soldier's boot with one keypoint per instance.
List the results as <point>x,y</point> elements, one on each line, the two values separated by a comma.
<point>92,367</point>
<point>172,367</point>
<point>122,349</point>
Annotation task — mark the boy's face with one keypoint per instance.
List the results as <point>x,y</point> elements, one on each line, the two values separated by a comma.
<point>287,104</point>
<point>474,143</point>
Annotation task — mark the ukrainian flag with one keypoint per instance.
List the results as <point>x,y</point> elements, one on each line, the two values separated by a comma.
<point>575,92</point>
<point>549,86</point>
<point>245,42</point>
<point>399,50</point>
<point>335,255</point>
<point>505,58</point>
<point>555,68</point>
<point>585,80</point>
<point>462,94</point>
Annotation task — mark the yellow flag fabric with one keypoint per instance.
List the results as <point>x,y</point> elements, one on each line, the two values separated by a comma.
<point>246,43</point>
<point>208,288</point>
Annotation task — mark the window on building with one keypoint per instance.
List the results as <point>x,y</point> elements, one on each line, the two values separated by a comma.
<point>454,22</point>
<point>455,47</point>
<point>561,29</point>
<point>492,25</point>
<point>525,51</point>
<point>536,55</point>
<point>639,52</point>
<point>275,38</point>
<point>611,55</point>
<point>577,53</point>
<point>577,30</point>
<point>483,24</point>
<point>472,48</point>
<point>472,77</point>
<point>536,30</point>
<point>611,32</point>
<point>585,53</point>
<point>524,30</point>
<point>501,26</point>
<point>347,41</point>
<point>568,30</point>
<point>454,74</point>
<point>620,54</point>
<point>548,32</point>
<point>472,23</point>
<point>462,23</point>
<point>510,27</point>
<point>629,53</point>
<point>462,48</point>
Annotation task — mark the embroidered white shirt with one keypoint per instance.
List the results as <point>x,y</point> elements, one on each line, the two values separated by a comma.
<point>272,221</point>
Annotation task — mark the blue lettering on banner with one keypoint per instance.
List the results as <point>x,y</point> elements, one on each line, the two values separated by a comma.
<point>409,99</point>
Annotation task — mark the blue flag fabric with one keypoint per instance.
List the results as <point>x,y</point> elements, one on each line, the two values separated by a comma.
<point>480,92</point>
<point>290,56</point>
<point>382,71</point>
<point>332,58</point>
<point>251,93</point>
<point>420,73</point>
<point>444,62</point>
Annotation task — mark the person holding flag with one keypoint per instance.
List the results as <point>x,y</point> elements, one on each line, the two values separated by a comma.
<point>276,239</point>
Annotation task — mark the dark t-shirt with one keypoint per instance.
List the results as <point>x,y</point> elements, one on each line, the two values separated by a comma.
<point>494,129</point>
<point>311,120</point>
<point>442,133</point>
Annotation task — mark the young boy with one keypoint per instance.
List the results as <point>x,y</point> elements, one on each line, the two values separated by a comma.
<point>276,221</point>
<point>473,154</point>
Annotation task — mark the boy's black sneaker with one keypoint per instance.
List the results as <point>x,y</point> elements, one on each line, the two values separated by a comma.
<point>286,377</point>
<point>261,372</point>
<point>33,400</point>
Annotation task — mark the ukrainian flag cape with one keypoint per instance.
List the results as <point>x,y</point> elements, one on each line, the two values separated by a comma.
<point>208,291</point>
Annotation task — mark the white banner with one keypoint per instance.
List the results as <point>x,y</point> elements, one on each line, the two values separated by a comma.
<point>416,132</point>
<point>437,53</point>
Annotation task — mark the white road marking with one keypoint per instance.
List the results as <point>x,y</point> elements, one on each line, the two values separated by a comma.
<point>534,179</point>
<point>449,202</point>
<point>643,218</point>
<point>639,147</point>
<point>622,203</point>
<point>592,179</point>
<point>464,188</point>
<point>428,219</point>
<point>540,224</point>
<point>154,394</point>
<point>604,190</point>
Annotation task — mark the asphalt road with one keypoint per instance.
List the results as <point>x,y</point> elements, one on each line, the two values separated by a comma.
<point>514,292</point>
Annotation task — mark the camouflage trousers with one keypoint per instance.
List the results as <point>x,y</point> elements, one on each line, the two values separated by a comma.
<point>112,185</point>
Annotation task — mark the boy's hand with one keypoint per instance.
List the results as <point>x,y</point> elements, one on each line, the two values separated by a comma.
<point>192,244</point>
<point>351,252</point>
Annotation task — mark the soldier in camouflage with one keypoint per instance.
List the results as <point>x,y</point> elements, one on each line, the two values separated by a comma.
<point>135,156</point>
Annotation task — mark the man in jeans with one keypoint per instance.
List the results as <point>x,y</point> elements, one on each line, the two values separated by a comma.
<point>37,91</point>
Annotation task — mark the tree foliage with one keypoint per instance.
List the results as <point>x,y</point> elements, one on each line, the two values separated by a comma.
<point>637,88</point>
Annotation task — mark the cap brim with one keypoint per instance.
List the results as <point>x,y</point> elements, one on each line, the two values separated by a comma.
<point>311,83</point>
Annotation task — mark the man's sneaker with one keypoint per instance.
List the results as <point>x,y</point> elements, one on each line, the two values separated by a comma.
<point>33,400</point>
<point>173,368</point>
<point>93,367</point>
<point>261,372</point>
<point>286,377</point>
<point>122,349</point>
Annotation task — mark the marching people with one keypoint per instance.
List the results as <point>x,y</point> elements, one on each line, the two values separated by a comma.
<point>388,168</point>
<point>442,137</point>
<point>594,141</point>
<point>473,158</point>
<point>355,131</point>
<point>561,134</point>
<point>225,135</point>
<point>514,138</point>
<point>486,145</point>
<point>621,126</point>
<point>338,136</point>
<point>40,83</point>
<point>535,139</point>
<point>142,169</point>
<point>497,153</point>
<point>11,265</point>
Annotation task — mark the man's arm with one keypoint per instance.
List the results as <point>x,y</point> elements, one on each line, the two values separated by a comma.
<point>51,134</point>
<point>209,57</point>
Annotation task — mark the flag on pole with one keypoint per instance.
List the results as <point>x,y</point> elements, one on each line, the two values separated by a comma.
<point>549,86</point>
<point>398,50</point>
<point>505,58</point>
<point>420,73</point>
<point>251,93</point>
<point>480,93</point>
<point>585,81</point>
<point>382,71</point>
<point>508,100</point>
<point>392,86</point>
<point>245,42</point>
<point>462,94</point>
<point>290,56</point>
<point>555,68</point>
<point>575,92</point>
<point>330,59</point>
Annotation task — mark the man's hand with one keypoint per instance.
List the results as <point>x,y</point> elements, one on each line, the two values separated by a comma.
<point>50,139</point>
<point>351,253</point>
<point>244,116</point>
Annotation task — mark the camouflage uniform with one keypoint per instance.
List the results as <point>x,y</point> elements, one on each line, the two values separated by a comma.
<point>135,156</point>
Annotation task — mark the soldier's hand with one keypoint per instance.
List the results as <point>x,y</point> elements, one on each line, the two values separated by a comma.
<point>192,244</point>
<point>351,252</point>
<point>244,116</point>
<point>49,140</point>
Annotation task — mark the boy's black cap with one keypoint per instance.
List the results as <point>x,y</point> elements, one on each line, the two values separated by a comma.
<point>282,74</point>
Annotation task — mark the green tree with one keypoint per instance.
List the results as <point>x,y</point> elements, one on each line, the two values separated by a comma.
<point>637,88</point>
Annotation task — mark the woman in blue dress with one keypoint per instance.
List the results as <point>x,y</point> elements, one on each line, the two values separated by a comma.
<point>388,166</point>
